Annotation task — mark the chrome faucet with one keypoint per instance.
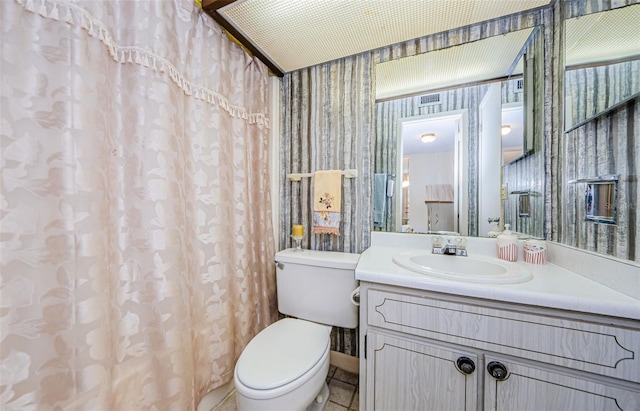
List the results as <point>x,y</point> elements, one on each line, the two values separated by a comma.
<point>450,248</point>
<point>459,247</point>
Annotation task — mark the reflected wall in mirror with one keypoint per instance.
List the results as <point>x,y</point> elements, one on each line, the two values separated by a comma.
<point>513,145</point>
<point>512,132</point>
<point>602,61</point>
<point>526,174</point>
<point>468,192</point>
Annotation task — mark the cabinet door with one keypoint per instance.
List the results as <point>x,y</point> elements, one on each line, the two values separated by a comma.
<point>527,388</point>
<point>408,375</point>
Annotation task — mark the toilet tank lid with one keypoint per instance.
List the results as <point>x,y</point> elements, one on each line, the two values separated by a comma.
<point>332,259</point>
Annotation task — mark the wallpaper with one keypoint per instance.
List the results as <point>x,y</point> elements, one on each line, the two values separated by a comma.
<point>327,124</point>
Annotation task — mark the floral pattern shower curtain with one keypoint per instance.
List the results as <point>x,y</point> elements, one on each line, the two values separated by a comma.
<point>136,239</point>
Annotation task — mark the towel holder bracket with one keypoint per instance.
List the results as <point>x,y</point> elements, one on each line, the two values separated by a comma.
<point>348,173</point>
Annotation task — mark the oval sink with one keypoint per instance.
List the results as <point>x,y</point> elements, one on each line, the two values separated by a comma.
<point>470,269</point>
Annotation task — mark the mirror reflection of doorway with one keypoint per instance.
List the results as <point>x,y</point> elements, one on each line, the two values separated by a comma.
<point>431,153</point>
<point>512,132</point>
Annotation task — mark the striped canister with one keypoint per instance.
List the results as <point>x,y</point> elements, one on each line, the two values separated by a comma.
<point>507,245</point>
<point>535,251</point>
<point>508,252</point>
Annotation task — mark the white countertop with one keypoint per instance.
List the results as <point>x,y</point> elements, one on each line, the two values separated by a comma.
<point>551,286</point>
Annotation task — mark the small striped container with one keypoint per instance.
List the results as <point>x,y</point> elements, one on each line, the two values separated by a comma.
<point>508,252</point>
<point>535,251</point>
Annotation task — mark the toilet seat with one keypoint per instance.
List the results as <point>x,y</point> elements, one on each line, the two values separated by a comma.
<point>282,353</point>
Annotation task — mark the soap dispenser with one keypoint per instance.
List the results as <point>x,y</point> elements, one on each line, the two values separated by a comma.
<point>507,245</point>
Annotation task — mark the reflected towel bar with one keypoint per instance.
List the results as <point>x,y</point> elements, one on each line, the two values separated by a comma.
<point>351,173</point>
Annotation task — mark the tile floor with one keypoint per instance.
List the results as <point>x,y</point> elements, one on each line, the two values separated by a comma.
<point>343,389</point>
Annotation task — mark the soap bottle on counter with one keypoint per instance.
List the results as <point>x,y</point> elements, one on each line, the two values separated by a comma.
<point>507,245</point>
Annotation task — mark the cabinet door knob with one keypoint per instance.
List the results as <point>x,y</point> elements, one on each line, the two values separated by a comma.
<point>466,365</point>
<point>497,370</point>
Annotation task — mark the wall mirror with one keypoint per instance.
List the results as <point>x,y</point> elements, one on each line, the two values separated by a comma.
<point>602,61</point>
<point>442,190</point>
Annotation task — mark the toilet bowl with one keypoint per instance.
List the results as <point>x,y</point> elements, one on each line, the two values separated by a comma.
<point>285,366</point>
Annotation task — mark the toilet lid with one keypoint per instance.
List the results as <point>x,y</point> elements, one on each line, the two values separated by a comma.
<point>282,353</point>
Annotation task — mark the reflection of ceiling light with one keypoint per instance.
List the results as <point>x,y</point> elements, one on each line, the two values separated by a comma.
<point>506,129</point>
<point>405,180</point>
<point>428,138</point>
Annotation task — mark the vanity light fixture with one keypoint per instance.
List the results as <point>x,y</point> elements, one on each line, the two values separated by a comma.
<point>506,129</point>
<point>428,137</point>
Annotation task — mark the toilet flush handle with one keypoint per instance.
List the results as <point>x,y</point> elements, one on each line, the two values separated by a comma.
<point>279,265</point>
<point>355,296</point>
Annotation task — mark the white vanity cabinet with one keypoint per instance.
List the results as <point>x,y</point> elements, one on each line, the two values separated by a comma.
<point>423,350</point>
<point>532,387</point>
<point>424,374</point>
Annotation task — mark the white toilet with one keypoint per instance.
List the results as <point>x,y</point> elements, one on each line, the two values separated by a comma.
<point>285,366</point>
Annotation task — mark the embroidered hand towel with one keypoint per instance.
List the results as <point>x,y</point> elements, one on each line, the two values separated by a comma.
<point>327,198</point>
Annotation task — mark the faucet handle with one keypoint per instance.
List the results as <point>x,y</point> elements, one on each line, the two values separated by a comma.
<point>461,244</point>
<point>437,245</point>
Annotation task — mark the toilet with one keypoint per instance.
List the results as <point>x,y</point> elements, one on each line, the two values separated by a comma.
<point>285,366</point>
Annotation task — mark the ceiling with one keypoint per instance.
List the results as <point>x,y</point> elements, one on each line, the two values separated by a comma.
<point>291,34</point>
<point>602,37</point>
<point>444,127</point>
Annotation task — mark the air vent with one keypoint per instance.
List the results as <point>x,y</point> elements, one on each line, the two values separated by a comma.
<point>429,100</point>
<point>518,85</point>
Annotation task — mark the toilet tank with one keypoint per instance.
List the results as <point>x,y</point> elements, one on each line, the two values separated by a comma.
<point>317,286</point>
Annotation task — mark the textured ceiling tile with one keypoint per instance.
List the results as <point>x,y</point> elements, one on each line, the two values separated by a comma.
<point>296,34</point>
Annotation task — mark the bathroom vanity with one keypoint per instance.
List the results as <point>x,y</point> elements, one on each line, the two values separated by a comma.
<point>559,341</point>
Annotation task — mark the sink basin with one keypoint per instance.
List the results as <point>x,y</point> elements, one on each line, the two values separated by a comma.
<point>476,269</point>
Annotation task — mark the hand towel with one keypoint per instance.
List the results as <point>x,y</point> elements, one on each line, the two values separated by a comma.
<point>327,198</point>
<point>379,199</point>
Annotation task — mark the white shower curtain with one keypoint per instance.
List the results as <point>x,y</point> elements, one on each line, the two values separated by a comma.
<point>136,239</point>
